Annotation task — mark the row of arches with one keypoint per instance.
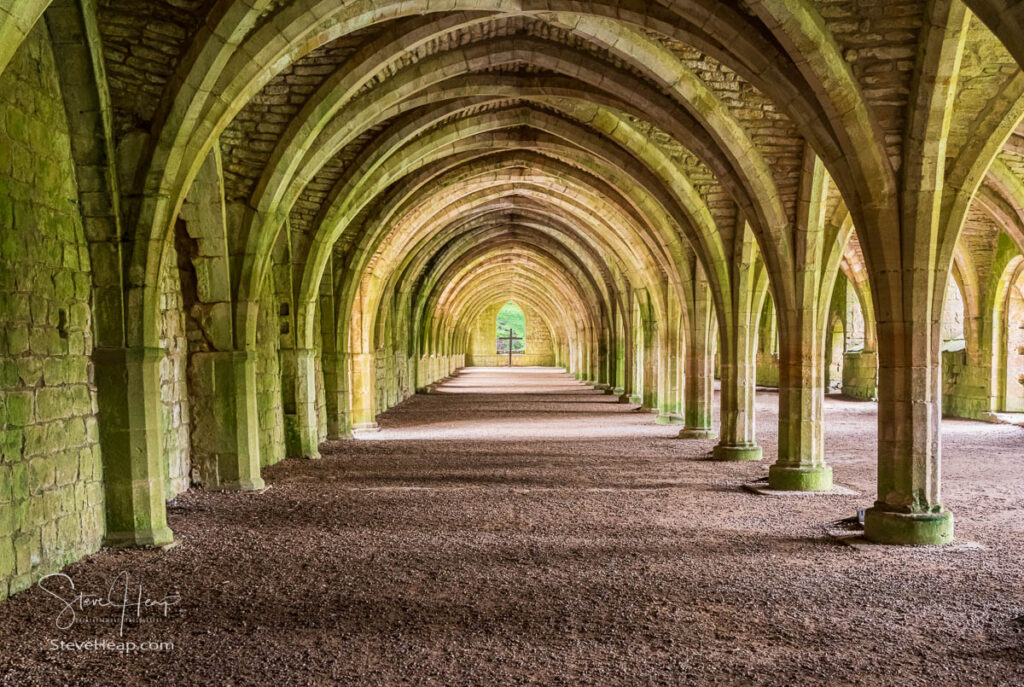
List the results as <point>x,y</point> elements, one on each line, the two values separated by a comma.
<point>298,222</point>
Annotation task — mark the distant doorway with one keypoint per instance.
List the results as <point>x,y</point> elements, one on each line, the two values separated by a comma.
<point>510,331</point>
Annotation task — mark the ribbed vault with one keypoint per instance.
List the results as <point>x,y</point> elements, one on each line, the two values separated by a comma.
<point>322,197</point>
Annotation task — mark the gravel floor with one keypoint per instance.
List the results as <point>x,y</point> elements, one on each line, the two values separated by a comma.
<point>519,528</point>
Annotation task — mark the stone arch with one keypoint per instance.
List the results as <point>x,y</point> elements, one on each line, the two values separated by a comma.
<point>17,17</point>
<point>1008,338</point>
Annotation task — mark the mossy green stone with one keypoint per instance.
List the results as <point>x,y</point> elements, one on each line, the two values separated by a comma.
<point>7,559</point>
<point>19,408</point>
<point>908,529</point>
<point>785,478</point>
<point>736,453</point>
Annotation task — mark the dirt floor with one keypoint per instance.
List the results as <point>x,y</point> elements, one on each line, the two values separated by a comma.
<point>519,528</point>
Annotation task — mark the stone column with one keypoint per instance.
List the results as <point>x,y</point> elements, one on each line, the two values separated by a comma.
<point>668,392</point>
<point>618,380</point>
<point>909,508</point>
<point>363,384</point>
<point>628,357</point>
<point>699,393</point>
<point>336,391</point>
<point>738,442</point>
<point>698,388</point>
<point>801,463</point>
<point>738,354</point>
<point>651,364</point>
<point>604,375</point>
<point>300,419</point>
<point>128,392</point>
<point>225,424</point>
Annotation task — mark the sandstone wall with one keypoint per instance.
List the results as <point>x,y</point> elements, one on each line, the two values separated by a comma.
<point>51,494</point>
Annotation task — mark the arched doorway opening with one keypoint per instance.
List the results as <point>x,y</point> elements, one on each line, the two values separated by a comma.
<point>1013,383</point>
<point>510,332</point>
<point>836,347</point>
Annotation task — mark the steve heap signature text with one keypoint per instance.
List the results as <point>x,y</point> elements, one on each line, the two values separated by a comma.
<point>128,600</point>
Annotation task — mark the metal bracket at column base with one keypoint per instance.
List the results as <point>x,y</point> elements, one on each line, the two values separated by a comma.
<point>697,433</point>
<point>796,478</point>
<point>908,529</point>
<point>737,454</point>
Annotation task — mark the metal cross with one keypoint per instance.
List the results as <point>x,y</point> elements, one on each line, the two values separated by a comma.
<point>510,337</point>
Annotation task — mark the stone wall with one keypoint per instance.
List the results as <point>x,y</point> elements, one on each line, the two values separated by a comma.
<point>483,346</point>
<point>51,493</point>
<point>767,369</point>
<point>173,381</point>
<point>860,374</point>
<point>393,386</point>
<point>964,386</point>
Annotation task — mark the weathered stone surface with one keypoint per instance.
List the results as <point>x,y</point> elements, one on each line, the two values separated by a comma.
<point>821,196</point>
<point>51,503</point>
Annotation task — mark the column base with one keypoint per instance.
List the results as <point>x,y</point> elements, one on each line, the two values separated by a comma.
<point>636,398</point>
<point>158,537</point>
<point>618,391</point>
<point>624,398</point>
<point>786,478</point>
<point>668,419</point>
<point>908,529</point>
<point>736,453</point>
<point>697,433</point>
<point>242,485</point>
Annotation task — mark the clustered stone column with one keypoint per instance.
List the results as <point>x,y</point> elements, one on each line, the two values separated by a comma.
<point>127,382</point>
<point>699,390</point>
<point>739,355</point>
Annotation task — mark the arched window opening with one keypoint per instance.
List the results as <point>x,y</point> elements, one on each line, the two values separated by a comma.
<point>856,330</point>
<point>510,330</point>
<point>837,347</point>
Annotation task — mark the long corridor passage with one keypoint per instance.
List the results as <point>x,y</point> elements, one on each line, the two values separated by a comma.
<point>514,526</point>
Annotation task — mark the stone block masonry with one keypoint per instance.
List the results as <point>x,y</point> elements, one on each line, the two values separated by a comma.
<point>51,494</point>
